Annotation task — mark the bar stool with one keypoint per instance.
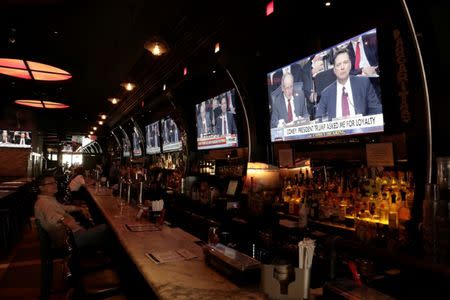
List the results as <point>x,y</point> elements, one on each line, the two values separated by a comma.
<point>4,230</point>
<point>98,284</point>
<point>48,255</point>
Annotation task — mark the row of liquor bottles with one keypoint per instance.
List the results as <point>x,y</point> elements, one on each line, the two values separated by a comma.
<point>369,194</point>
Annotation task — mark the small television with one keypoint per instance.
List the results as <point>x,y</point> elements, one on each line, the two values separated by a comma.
<point>216,122</point>
<point>136,144</point>
<point>15,138</point>
<point>335,92</point>
<point>170,135</point>
<point>152,138</point>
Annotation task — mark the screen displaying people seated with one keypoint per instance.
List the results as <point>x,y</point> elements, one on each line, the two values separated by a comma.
<point>216,122</point>
<point>15,138</point>
<point>136,144</point>
<point>334,92</point>
<point>152,138</point>
<point>170,135</point>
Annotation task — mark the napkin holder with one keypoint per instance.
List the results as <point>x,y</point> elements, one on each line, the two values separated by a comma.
<point>231,263</point>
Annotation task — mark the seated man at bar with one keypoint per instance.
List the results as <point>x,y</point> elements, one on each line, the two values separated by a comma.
<point>53,215</point>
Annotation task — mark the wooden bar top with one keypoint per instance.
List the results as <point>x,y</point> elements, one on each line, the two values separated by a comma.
<point>183,279</point>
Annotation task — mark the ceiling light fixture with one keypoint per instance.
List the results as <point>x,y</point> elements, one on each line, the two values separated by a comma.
<point>128,86</point>
<point>100,122</point>
<point>164,87</point>
<point>217,48</point>
<point>185,71</point>
<point>91,132</point>
<point>103,116</point>
<point>95,128</point>
<point>156,46</point>
<point>32,70</point>
<point>328,3</point>
<point>42,104</point>
<point>114,100</point>
<point>270,8</point>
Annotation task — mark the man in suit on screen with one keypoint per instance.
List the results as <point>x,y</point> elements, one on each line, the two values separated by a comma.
<point>348,95</point>
<point>225,121</point>
<point>203,121</point>
<point>288,106</point>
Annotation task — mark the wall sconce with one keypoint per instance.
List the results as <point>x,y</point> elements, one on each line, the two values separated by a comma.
<point>156,46</point>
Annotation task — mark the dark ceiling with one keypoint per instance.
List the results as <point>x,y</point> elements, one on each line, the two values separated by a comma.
<point>100,42</point>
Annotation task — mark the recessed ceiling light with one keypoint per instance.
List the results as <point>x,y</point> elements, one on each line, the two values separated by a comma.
<point>328,3</point>
<point>91,132</point>
<point>128,86</point>
<point>103,116</point>
<point>217,48</point>
<point>156,46</point>
<point>114,100</point>
<point>95,127</point>
<point>100,122</point>
<point>164,87</point>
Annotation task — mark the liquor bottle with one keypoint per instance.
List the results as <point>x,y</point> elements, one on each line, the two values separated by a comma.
<point>393,212</point>
<point>404,213</point>
<point>303,214</point>
<point>384,209</point>
<point>314,210</point>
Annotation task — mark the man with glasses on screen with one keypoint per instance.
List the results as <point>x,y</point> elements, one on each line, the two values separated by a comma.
<point>203,121</point>
<point>349,95</point>
<point>288,106</point>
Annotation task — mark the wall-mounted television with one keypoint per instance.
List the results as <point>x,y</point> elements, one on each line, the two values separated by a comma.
<point>136,144</point>
<point>152,138</point>
<point>216,122</point>
<point>15,138</point>
<point>335,92</point>
<point>170,135</point>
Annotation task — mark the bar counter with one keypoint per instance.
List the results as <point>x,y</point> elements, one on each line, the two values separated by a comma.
<point>184,279</point>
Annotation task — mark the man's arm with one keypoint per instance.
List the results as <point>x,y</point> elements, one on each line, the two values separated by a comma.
<point>275,115</point>
<point>373,102</point>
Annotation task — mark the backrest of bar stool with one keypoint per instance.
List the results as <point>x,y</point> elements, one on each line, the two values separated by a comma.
<point>5,231</point>
<point>48,253</point>
<point>45,241</point>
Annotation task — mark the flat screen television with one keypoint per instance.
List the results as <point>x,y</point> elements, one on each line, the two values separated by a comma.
<point>216,122</point>
<point>15,138</point>
<point>136,144</point>
<point>170,135</point>
<point>335,92</point>
<point>152,136</point>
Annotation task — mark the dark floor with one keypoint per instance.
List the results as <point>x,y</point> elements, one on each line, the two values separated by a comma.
<point>20,271</point>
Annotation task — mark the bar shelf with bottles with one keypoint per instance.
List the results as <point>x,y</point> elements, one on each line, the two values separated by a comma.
<point>358,199</point>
